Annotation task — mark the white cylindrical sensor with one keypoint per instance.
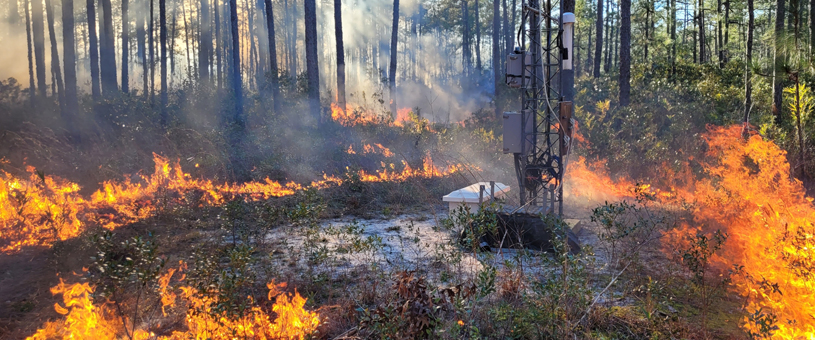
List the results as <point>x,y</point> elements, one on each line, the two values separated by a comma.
<point>568,39</point>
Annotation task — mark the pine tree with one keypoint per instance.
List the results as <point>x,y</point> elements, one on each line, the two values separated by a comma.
<point>340,54</point>
<point>312,66</point>
<point>392,70</point>
<point>625,52</point>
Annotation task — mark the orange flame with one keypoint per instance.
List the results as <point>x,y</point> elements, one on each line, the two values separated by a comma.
<point>83,320</point>
<point>42,209</point>
<point>750,194</point>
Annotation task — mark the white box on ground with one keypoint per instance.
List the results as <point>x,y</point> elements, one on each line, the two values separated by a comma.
<point>469,195</point>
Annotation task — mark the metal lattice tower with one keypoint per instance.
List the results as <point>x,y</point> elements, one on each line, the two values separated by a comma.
<point>541,164</point>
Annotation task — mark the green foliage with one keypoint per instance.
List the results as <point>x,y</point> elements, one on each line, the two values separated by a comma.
<point>126,269</point>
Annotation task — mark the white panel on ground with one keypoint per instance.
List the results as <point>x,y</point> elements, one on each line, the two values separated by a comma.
<point>470,195</point>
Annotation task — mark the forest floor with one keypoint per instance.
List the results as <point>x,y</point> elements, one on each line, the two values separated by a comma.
<point>346,264</point>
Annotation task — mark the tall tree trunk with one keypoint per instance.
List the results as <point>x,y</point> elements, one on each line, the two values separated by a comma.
<point>478,36</point>
<point>392,70</point>
<point>39,45</point>
<point>496,57</point>
<point>294,38</point>
<point>702,43</point>
<point>625,52</point>
<point>340,54</point>
<point>94,46</point>
<point>108,52</point>
<point>616,42</point>
<point>218,41</point>
<point>125,48</point>
<point>794,14</point>
<point>237,82</point>
<point>598,48</point>
<point>142,51</point>
<point>312,66</point>
<point>748,72</point>
<point>508,44</point>
<point>187,22</point>
<point>162,27</point>
<point>68,48</point>
<point>31,87</point>
<point>609,39</point>
<point>151,47</point>
<point>778,84</point>
<point>720,33</point>
<point>173,35</point>
<point>812,27</point>
<point>466,61</point>
<point>725,52</point>
<point>273,54</point>
<point>673,38</point>
<point>204,46</point>
<point>55,68</point>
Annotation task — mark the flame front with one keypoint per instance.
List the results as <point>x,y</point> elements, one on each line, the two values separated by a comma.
<point>749,193</point>
<point>84,320</point>
<point>42,209</point>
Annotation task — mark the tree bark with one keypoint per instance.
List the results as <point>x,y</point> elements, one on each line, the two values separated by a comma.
<point>812,27</point>
<point>151,47</point>
<point>616,42</point>
<point>778,84</point>
<point>273,56</point>
<point>218,41</point>
<point>205,45</point>
<point>673,38</point>
<point>71,100</point>
<point>108,52</point>
<point>748,72</point>
<point>392,70</point>
<point>496,57</point>
<point>294,25</point>
<point>598,48</point>
<point>31,87</point>
<point>725,52</point>
<point>312,66</point>
<point>55,68</point>
<point>162,27</point>
<point>125,48</point>
<point>625,52</point>
<point>141,48</point>
<point>465,39</point>
<point>702,43</point>
<point>478,36</point>
<point>609,38</point>
<point>340,54</point>
<point>508,44</point>
<point>38,29</point>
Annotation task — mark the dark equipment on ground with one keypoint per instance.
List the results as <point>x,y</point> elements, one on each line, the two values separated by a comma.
<point>518,231</point>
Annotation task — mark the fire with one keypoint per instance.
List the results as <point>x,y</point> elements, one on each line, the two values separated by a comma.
<point>375,148</point>
<point>84,320</point>
<point>403,116</point>
<point>590,178</point>
<point>749,193</point>
<point>43,209</point>
<point>356,115</point>
<point>350,116</point>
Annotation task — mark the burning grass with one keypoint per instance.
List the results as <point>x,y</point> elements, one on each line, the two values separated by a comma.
<point>286,319</point>
<point>43,209</point>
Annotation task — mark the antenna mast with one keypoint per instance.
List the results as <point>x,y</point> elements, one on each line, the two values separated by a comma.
<point>542,68</point>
